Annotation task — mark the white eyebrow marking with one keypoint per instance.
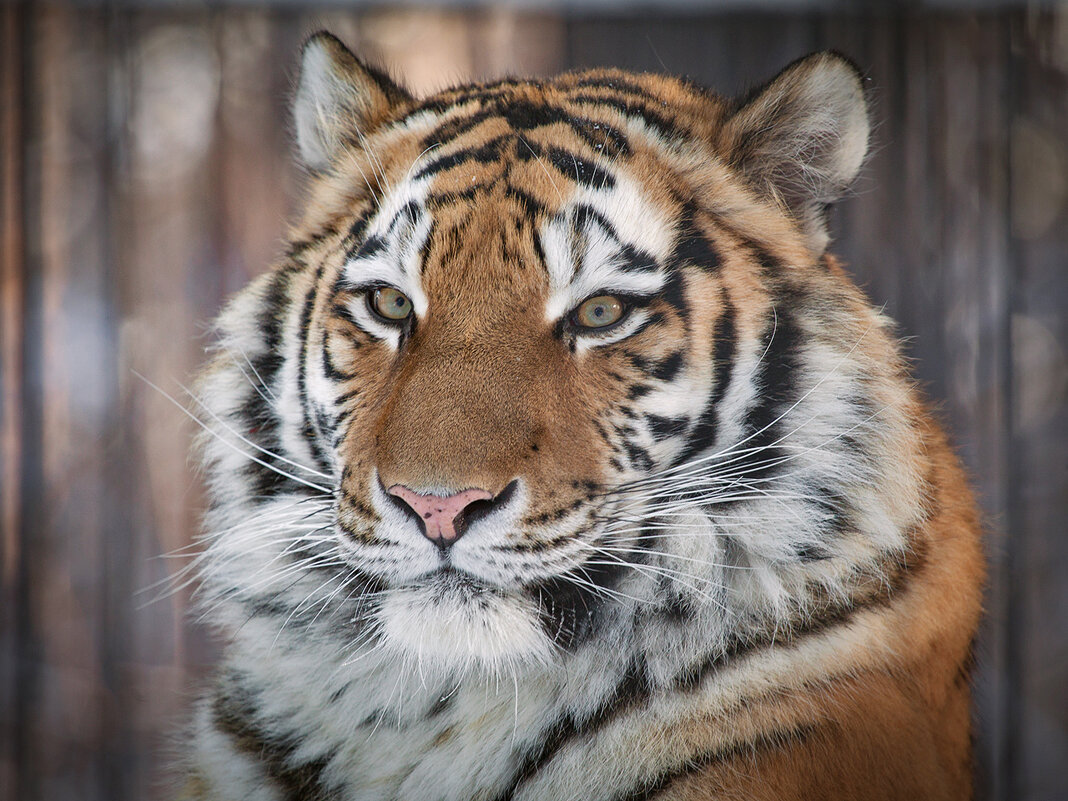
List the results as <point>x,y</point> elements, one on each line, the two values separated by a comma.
<point>399,261</point>
<point>593,259</point>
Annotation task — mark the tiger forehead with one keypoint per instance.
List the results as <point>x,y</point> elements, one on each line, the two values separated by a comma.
<point>533,169</point>
<point>480,247</point>
<point>674,108</point>
<point>535,136</point>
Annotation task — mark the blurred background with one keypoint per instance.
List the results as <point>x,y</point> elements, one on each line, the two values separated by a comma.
<point>145,174</point>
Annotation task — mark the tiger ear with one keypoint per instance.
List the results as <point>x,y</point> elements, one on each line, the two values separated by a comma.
<point>339,98</point>
<point>802,138</point>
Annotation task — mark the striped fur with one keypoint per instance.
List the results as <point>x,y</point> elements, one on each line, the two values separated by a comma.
<point>731,556</point>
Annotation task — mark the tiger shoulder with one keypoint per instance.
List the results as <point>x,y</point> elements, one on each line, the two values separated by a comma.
<point>558,459</point>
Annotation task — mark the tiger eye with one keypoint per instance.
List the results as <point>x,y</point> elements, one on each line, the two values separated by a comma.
<point>599,312</point>
<point>391,303</point>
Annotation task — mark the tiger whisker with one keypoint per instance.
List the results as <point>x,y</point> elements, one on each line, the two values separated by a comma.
<point>652,552</point>
<point>259,387</point>
<point>325,491</point>
<point>677,575</point>
<point>174,583</point>
<point>415,161</point>
<point>607,592</point>
<point>543,167</point>
<point>794,454</point>
<point>324,603</point>
<point>249,442</point>
<point>781,416</point>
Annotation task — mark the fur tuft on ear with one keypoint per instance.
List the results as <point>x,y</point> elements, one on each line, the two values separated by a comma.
<point>338,99</point>
<point>802,138</point>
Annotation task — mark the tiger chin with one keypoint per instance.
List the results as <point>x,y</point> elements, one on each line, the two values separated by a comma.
<point>558,459</point>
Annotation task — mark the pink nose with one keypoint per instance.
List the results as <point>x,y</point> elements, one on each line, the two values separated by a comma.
<point>442,515</point>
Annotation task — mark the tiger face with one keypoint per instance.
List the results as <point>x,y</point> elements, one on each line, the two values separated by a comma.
<point>514,369</point>
<point>565,361</point>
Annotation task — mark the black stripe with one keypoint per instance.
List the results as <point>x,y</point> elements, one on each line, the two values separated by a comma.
<point>586,216</point>
<point>408,213</point>
<point>330,370</point>
<point>724,344</point>
<point>668,368</point>
<point>583,171</point>
<point>693,247</point>
<point>635,260</point>
<point>631,691</point>
<point>309,429</point>
<point>490,94</point>
<point>837,513</point>
<point>674,294</point>
<point>539,251</point>
<point>440,200</point>
<point>456,126</point>
<point>371,246</point>
<point>648,789</point>
<point>632,108</point>
<point>837,614</point>
<point>260,420</point>
<point>665,427</point>
<point>636,391</point>
<point>361,249</point>
<point>342,311</point>
<point>486,153</point>
<point>656,318</point>
<point>599,136</point>
<point>234,714</point>
<point>639,457</point>
<point>532,208</point>
<point>724,349</point>
<point>523,115</point>
<point>570,613</point>
<point>776,387</point>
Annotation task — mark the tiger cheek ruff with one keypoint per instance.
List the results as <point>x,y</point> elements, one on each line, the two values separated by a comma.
<point>557,459</point>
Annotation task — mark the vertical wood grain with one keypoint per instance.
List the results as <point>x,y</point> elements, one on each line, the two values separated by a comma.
<point>65,731</point>
<point>12,142</point>
<point>172,223</point>
<point>1037,628</point>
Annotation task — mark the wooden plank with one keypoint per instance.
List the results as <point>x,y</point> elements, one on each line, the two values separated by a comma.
<point>66,707</point>
<point>972,61</point>
<point>171,221</point>
<point>1039,493</point>
<point>428,50</point>
<point>12,55</point>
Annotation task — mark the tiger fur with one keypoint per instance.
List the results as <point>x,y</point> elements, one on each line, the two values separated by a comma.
<point>719,549</point>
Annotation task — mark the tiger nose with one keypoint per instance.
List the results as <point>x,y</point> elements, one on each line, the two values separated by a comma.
<point>441,517</point>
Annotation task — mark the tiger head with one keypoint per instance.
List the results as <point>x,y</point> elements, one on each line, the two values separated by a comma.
<point>549,359</point>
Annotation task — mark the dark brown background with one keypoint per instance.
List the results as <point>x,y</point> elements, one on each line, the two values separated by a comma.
<point>145,175</point>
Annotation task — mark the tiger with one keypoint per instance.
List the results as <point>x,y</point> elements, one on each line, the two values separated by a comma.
<point>557,458</point>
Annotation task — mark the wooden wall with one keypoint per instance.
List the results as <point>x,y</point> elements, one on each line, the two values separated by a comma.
<point>146,176</point>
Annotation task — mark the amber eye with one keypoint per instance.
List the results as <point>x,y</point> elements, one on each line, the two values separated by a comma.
<point>391,304</point>
<point>599,312</point>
